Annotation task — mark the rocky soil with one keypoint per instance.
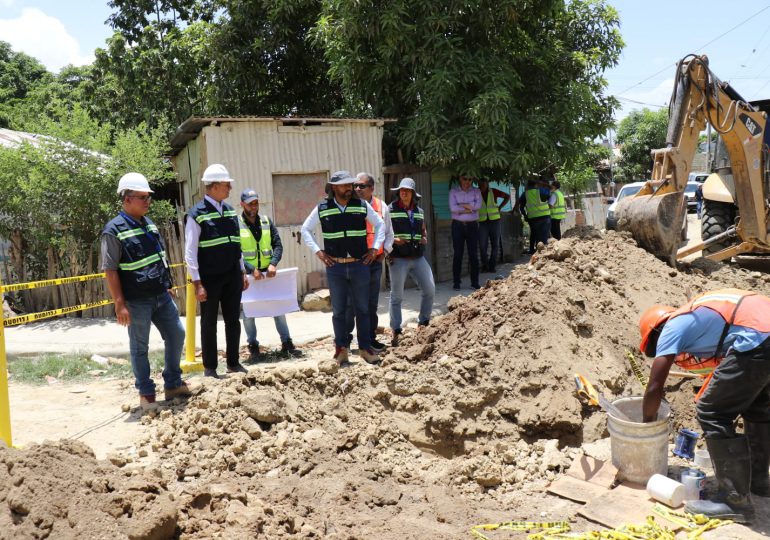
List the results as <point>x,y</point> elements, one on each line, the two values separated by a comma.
<point>464,422</point>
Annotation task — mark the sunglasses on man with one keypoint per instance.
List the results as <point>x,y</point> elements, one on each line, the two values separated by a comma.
<point>361,186</point>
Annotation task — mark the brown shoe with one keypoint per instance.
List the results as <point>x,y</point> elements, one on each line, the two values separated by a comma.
<point>147,403</point>
<point>341,355</point>
<point>180,391</point>
<point>369,356</point>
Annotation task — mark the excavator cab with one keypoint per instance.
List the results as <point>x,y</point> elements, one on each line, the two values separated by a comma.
<point>655,215</point>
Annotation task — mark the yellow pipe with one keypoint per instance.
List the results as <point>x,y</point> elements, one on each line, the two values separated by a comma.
<point>190,320</point>
<point>5,403</point>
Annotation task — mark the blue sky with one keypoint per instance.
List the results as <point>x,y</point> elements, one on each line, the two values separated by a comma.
<point>657,34</point>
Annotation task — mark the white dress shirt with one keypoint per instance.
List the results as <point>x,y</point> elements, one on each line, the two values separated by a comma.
<point>314,219</point>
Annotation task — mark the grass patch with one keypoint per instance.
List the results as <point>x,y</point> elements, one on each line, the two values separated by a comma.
<point>70,367</point>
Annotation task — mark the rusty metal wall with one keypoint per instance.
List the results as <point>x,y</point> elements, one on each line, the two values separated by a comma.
<point>254,151</point>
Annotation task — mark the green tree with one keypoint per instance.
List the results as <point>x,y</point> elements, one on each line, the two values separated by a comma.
<point>19,74</point>
<point>578,174</point>
<point>638,134</point>
<point>505,86</point>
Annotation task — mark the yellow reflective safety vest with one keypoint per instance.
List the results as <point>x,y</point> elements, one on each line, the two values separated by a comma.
<point>257,255</point>
<point>559,211</point>
<point>489,210</point>
<point>535,207</point>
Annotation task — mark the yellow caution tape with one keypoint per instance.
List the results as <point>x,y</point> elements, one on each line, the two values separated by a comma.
<point>640,376</point>
<point>552,527</point>
<point>694,524</point>
<point>57,281</point>
<point>32,317</point>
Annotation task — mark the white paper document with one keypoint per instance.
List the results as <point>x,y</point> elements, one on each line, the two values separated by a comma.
<point>269,297</point>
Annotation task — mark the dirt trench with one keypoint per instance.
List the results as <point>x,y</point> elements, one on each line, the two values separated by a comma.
<point>464,422</point>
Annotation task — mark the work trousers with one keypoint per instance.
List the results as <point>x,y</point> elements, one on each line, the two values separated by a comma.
<point>556,229</point>
<point>740,386</point>
<point>465,233</point>
<point>281,326</point>
<point>222,290</point>
<point>489,232</point>
<point>160,311</point>
<point>539,229</point>
<point>375,279</point>
<point>350,280</point>
<point>420,271</point>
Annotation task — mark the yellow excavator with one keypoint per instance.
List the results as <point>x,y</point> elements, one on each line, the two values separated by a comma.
<point>735,215</point>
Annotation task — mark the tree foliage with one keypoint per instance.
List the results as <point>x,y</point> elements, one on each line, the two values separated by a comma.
<point>501,87</point>
<point>19,73</point>
<point>638,134</point>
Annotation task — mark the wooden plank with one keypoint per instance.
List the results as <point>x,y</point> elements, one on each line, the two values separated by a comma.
<point>627,503</point>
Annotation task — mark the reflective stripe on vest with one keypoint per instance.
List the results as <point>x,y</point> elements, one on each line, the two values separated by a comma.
<point>559,211</point>
<point>141,263</point>
<point>377,207</point>
<point>219,241</point>
<point>249,243</point>
<point>343,231</point>
<point>535,207</point>
<point>701,366</point>
<point>489,210</point>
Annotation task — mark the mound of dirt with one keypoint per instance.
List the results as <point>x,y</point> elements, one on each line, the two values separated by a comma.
<point>463,422</point>
<point>59,490</point>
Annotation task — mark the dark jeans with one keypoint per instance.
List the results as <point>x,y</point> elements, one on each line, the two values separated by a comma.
<point>740,386</point>
<point>539,229</point>
<point>489,231</point>
<point>465,232</point>
<point>375,277</point>
<point>350,280</point>
<point>225,290</point>
<point>556,229</point>
<point>162,312</point>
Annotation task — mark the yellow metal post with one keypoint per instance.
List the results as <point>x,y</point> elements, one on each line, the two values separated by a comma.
<point>190,364</point>
<point>5,403</point>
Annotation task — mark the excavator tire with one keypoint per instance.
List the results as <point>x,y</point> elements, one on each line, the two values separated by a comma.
<point>716,218</point>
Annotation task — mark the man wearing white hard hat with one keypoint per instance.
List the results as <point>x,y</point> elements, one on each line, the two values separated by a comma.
<point>215,265</point>
<point>343,220</point>
<point>138,278</point>
<point>406,256</point>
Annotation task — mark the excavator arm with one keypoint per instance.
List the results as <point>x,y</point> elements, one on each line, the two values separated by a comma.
<point>656,214</point>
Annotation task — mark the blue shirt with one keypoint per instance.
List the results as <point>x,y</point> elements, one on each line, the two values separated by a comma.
<point>698,333</point>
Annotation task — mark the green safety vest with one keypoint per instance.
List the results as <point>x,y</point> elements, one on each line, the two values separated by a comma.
<point>489,210</point>
<point>559,211</point>
<point>257,256</point>
<point>535,207</point>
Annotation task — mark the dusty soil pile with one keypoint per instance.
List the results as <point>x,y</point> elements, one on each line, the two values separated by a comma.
<point>483,398</point>
<point>463,423</point>
<point>59,490</point>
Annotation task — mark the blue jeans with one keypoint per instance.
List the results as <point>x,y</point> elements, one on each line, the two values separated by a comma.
<point>250,326</point>
<point>350,280</point>
<point>162,312</point>
<point>421,273</point>
<point>375,278</point>
<point>489,232</point>
<point>539,231</point>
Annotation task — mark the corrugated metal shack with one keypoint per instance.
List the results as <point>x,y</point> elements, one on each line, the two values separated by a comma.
<point>286,160</point>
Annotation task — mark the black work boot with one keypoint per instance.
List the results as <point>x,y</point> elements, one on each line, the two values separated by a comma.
<point>288,350</point>
<point>254,355</point>
<point>732,468</point>
<point>759,442</point>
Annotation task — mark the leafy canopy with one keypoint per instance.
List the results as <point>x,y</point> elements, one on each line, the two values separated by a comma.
<point>504,87</point>
<point>638,134</point>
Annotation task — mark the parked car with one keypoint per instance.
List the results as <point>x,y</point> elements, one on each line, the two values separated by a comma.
<point>689,195</point>
<point>626,191</point>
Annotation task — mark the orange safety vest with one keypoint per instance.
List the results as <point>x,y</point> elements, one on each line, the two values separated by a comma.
<point>736,307</point>
<point>376,205</point>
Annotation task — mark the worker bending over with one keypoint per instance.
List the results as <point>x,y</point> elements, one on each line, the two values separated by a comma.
<point>725,330</point>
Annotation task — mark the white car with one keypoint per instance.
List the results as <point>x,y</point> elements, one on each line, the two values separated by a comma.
<point>626,191</point>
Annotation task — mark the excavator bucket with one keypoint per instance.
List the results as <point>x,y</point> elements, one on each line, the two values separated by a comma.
<point>655,221</point>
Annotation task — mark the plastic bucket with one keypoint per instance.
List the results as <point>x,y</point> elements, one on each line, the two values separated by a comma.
<point>639,449</point>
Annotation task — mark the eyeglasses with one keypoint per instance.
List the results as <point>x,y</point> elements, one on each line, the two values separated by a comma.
<point>142,198</point>
<point>361,186</point>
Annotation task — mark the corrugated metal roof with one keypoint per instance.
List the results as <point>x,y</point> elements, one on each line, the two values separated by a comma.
<point>190,128</point>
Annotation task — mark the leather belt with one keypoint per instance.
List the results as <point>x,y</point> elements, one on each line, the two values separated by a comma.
<point>344,260</point>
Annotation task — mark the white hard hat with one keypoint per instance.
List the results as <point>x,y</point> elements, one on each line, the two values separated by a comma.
<point>135,182</point>
<point>216,173</point>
